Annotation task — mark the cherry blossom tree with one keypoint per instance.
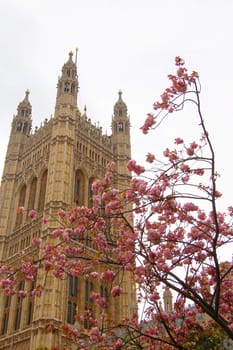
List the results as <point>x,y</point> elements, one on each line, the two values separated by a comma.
<point>165,231</point>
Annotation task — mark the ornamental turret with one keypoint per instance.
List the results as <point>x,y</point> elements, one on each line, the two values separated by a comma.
<point>20,130</point>
<point>67,87</point>
<point>22,121</point>
<point>167,300</point>
<point>120,121</point>
<point>121,136</point>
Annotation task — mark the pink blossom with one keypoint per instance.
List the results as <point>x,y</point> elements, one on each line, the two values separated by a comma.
<point>58,232</point>
<point>22,294</point>
<point>108,178</point>
<point>199,172</point>
<point>32,214</point>
<point>179,61</point>
<point>132,166</point>
<point>97,186</point>
<point>36,242</point>
<point>20,210</point>
<point>185,178</point>
<point>95,335</point>
<point>3,268</point>
<point>179,141</point>
<point>94,275</point>
<point>62,213</point>
<point>190,151</point>
<point>150,158</point>
<point>193,145</point>
<point>45,220</point>
<point>170,109</point>
<point>37,291</point>
<point>149,122</point>
<point>118,344</point>
<point>79,230</point>
<point>116,291</point>
<point>101,301</point>
<point>108,275</point>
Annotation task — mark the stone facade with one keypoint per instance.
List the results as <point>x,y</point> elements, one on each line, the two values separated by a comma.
<point>50,169</point>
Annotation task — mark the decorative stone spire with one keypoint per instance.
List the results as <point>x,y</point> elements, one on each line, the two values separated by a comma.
<point>167,300</point>
<point>120,108</point>
<point>121,137</point>
<point>67,88</point>
<point>24,108</point>
<point>22,121</point>
<point>120,122</point>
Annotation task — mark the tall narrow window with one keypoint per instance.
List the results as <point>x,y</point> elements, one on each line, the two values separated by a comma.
<point>104,292</point>
<point>89,287</point>
<point>5,317</point>
<point>79,188</point>
<point>32,194</point>
<point>90,193</point>
<point>18,309</point>
<point>72,88</point>
<point>43,185</point>
<point>30,304</point>
<point>19,126</point>
<point>25,127</point>
<point>72,298</point>
<point>21,203</point>
<point>67,87</point>
<point>120,127</point>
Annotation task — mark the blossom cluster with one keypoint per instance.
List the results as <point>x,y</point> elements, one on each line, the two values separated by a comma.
<point>163,232</point>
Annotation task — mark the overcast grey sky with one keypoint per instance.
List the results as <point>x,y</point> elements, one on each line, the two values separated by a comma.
<point>127,44</point>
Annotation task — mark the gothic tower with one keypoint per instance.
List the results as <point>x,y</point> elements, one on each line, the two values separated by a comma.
<point>48,170</point>
<point>121,138</point>
<point>167,300</point>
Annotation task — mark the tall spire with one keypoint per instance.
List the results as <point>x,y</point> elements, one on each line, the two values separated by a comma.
<point>120,108</point>
<point>121,136</point>
<point>22,121</point>
<point>167,299</point>
<point>120,122</point>
<point>67,87</point>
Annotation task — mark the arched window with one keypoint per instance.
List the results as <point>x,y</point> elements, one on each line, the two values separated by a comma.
<point>120,127</point>
<point>25,127</point>
<point>72,298</point>
<point>104,292</point>
<point>30,304</point>
<point>89,288</point>
<point>32,194</point>
<point>79,188</point>
<point>21,203</point>
<point>67,87</point>
<point>72,88</point>
<point>6,311</point>
<point>18,309</point>
<point>43,185</point>
<point>90,193</point>
<point>19,126</point>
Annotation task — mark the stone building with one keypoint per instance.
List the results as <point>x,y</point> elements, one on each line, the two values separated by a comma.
<point>46,170</point>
